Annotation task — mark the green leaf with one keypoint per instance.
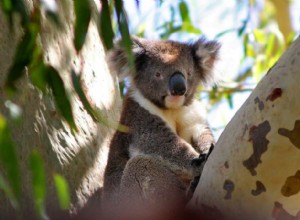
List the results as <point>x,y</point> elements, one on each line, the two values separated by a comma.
<point>38,70</point>
<point>62,190</point>
<point>106,29</point>
<point>60,96</point>
<point>260,36</point>
<point>123,28</point>
<point>23,57</point>
<point>8,192</point>
<point>96,115</point>
<point>270,47</point>
<point>170,31</point>
<point>184,12</point>
<point>38,75</point>
<point>36,167</point>
<point>9,161</point>
<point>7,5</point>
<point>83,17</point>
<point>229,99</point>
<point>190,28</point>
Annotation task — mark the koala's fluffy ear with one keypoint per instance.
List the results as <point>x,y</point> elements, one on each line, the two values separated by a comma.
<point>118,61</point>
<point>205,54</point>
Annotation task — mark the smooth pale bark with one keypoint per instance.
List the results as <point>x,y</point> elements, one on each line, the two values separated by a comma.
<point>80,158</point>
<point>254,168</point>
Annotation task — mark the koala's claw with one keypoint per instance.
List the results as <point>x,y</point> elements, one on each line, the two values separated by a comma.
<point>197,162</point>
<point>212,146</point>
<point>202,157</point>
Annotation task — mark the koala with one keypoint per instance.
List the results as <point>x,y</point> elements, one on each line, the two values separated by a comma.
<point>168,131</point>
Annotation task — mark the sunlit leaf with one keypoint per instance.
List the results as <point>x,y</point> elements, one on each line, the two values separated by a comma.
<point>184,12</point>
<point>106,29</point>
<point>271,45</point>
<point>9,161</point>
<point>249,50</point>
<point>83,17</point>
<point>22,57</point>
<point>60,96</point>
<point>190,28</point>
<point>96,115</point>
<point>260,36</point>
<point>36,166</point>
<point>258,68</point>
<point>62,191</point>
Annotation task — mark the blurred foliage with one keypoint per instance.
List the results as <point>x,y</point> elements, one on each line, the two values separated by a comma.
<point>10,181</point>
<point>263,44</point>
<point>62,190</point>
<point>36,166</point>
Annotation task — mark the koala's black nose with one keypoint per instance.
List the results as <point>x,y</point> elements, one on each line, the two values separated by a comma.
<point>177,84</point>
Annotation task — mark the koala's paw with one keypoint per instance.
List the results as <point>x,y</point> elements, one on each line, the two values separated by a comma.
<point>202,145</point>
<point>198,162</point>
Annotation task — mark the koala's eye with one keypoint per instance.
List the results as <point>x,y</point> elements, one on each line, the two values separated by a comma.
<point>158,74</point>
<point>189,73</point>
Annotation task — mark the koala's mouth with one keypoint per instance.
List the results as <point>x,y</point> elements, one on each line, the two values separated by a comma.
<point>174,101</point>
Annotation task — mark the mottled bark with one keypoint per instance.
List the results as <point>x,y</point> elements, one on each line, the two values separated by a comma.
<point>80,157</point>
<point>254,169</point>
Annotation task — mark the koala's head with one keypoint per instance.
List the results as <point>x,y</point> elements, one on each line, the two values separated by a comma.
<point>167,72</point>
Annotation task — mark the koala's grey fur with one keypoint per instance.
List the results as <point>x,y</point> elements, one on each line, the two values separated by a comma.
<point>166,133</point>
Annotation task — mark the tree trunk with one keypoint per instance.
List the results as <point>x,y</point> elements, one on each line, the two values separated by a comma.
<point>80,157</point>
<point>254,169</point>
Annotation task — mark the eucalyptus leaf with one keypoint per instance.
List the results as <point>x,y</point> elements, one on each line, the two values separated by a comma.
<point>123,28</point>
<point>23,56</point>
<point>106,29</point>
<point>97,116</point>
<point>38,75</point>
<point>36,166</point>
<point>62,191</point>
<point>184,12</point>
<point>9,162</point>
<point>83,17</point>
<point>8,192</point>
<point>62,101</point>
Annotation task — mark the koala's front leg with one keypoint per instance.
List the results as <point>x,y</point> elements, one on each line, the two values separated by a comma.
<point>202,139</point>
<point>193,127</point>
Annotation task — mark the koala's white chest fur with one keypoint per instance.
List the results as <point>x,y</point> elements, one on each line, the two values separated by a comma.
<point>187,121</point>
